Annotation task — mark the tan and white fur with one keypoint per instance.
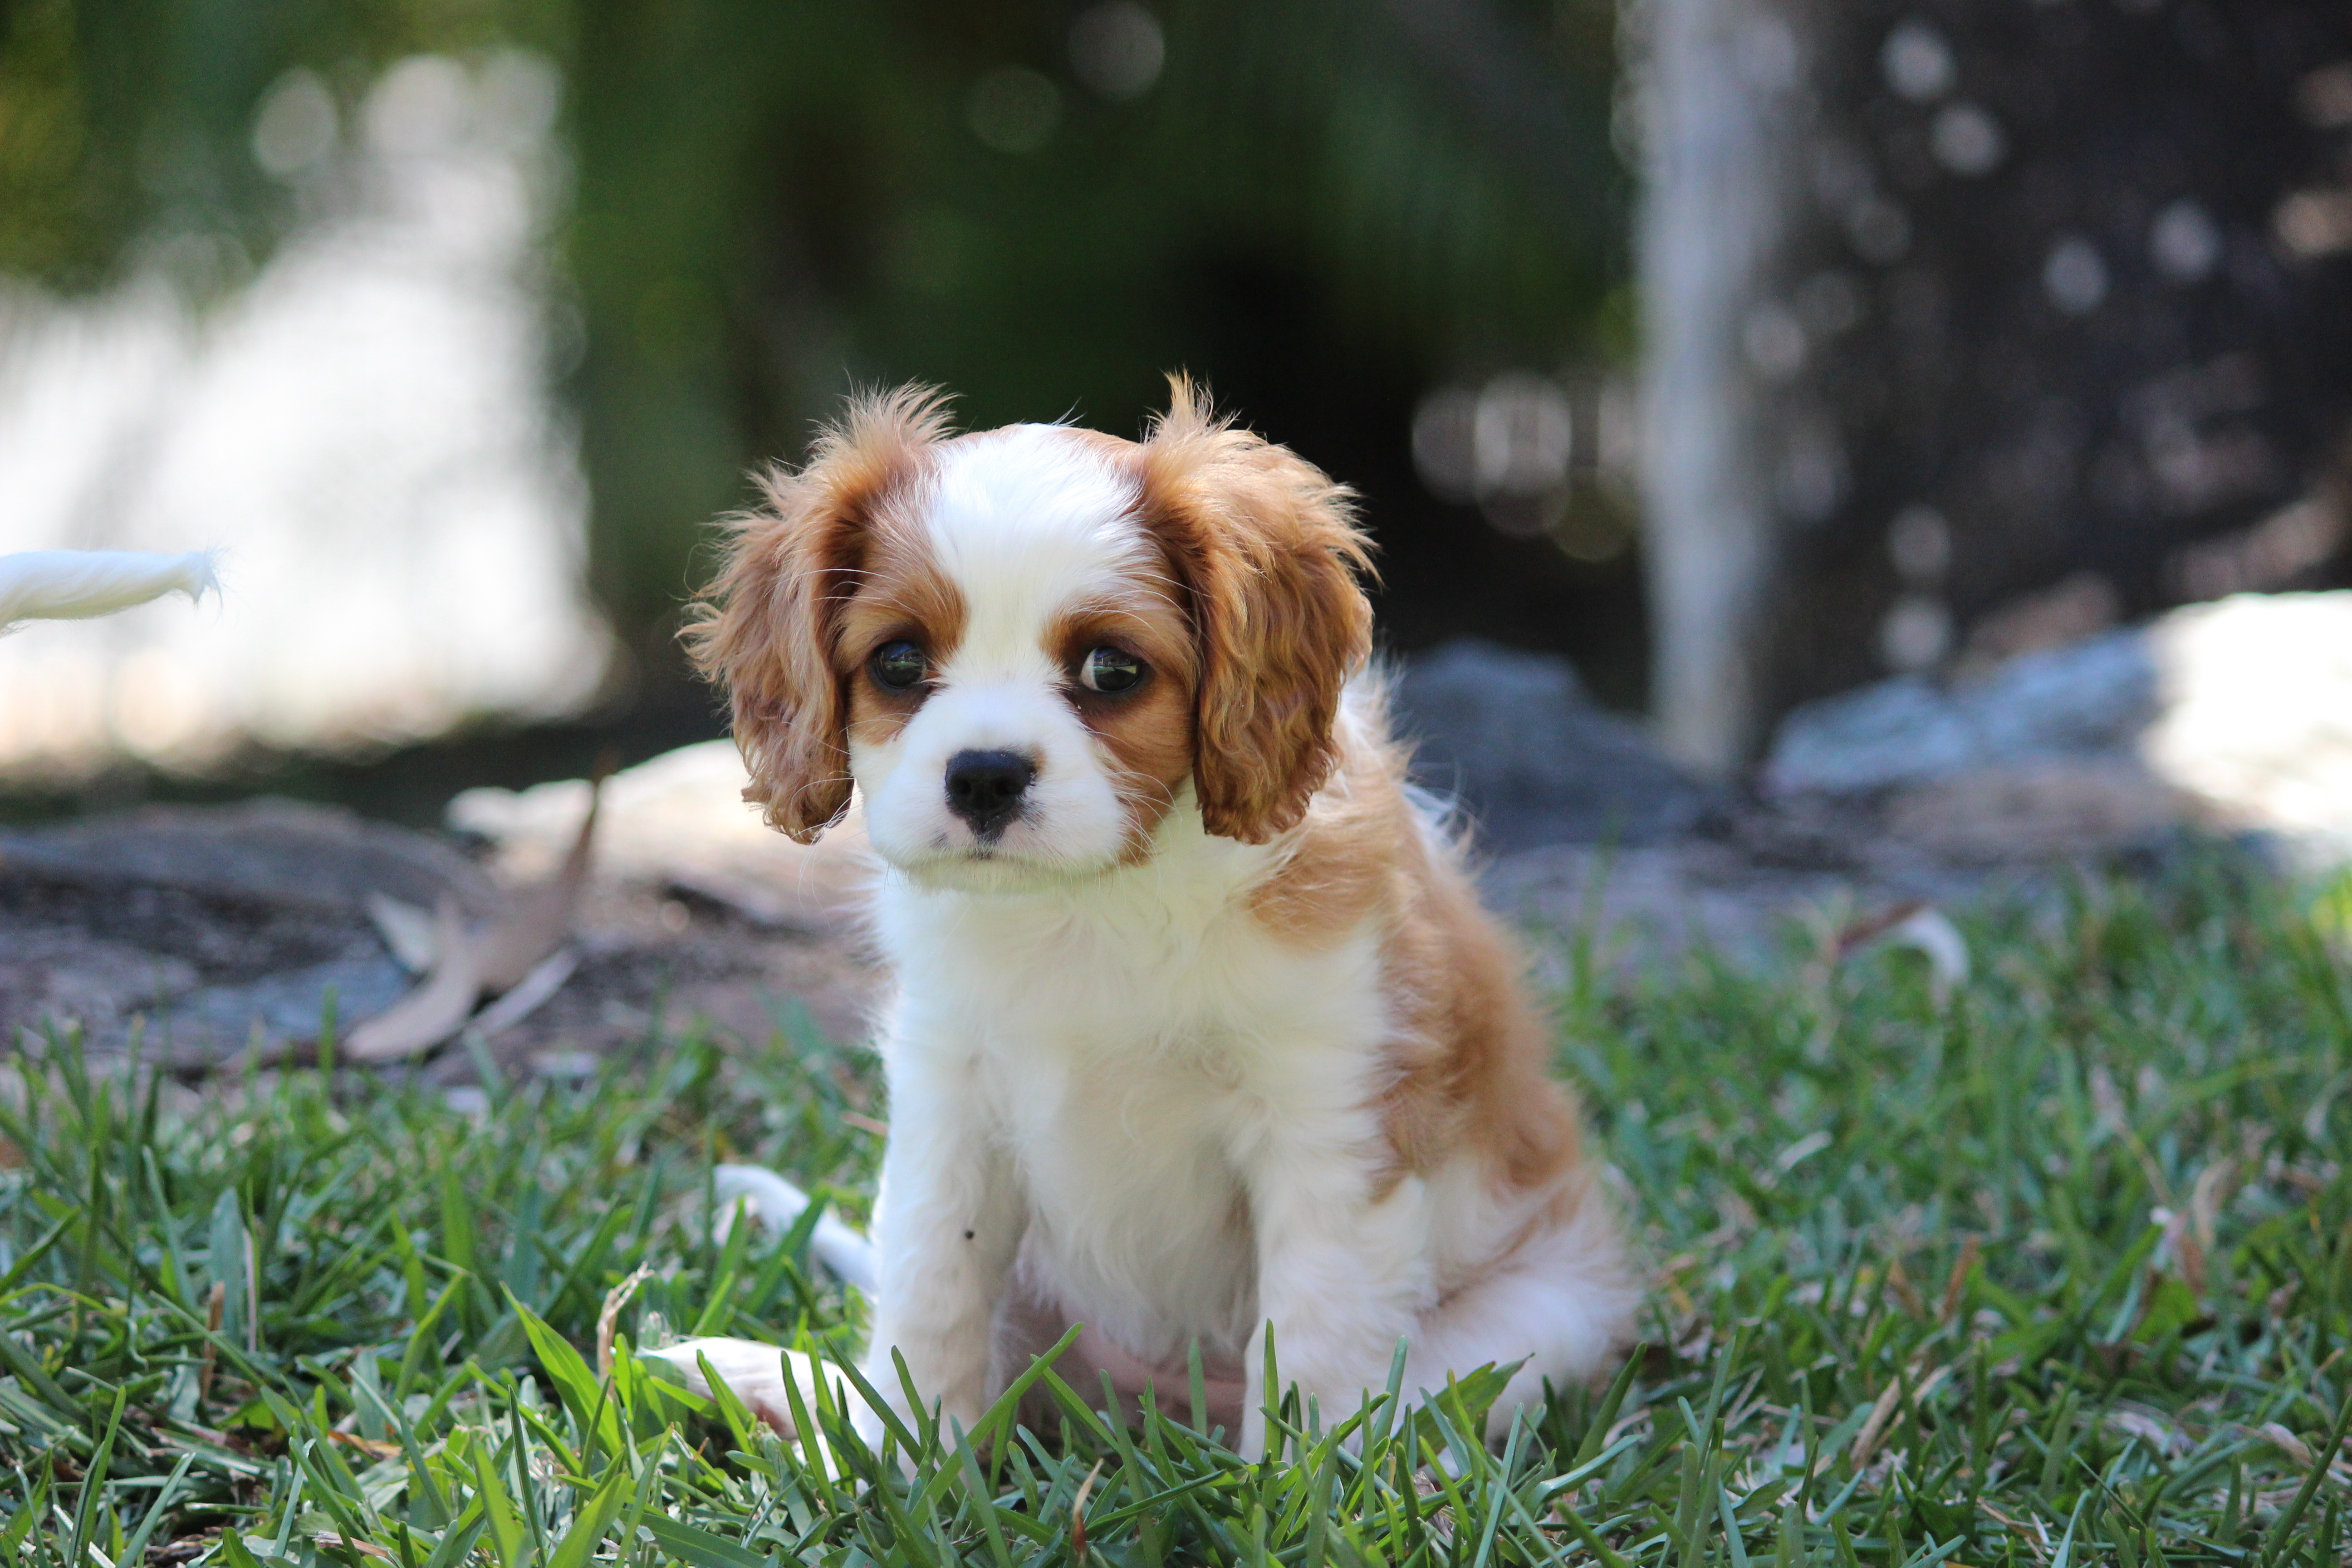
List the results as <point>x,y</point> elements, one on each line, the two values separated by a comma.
<point>1199,1031</point>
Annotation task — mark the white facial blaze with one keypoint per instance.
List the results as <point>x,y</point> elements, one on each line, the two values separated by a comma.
<point>1028,523</point>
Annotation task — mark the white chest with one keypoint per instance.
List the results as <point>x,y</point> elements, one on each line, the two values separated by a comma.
<point>1131,1067</point>
<point>1138,1211</point>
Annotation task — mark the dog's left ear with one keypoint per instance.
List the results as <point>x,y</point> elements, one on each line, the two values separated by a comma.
<point>1267,549</point>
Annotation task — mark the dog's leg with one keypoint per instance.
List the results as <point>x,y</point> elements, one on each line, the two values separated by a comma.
<point>1028,1325</point>
<point>1342,1282</point>
<point>756,1375</point>
<point>947,1222</point>
<point>1343,1275</point>
<point>1558,1304</point>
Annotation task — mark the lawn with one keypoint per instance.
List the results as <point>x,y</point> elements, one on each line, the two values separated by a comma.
<point>2054,1271</point>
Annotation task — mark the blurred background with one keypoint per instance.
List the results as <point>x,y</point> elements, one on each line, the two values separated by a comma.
<point>456,325</point>
<point>1741,352</point>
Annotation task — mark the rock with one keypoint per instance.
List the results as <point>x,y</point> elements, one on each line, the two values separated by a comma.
<point>2042,810</point>
<point>285,851</point>
<point>216,924</point>
<point>201,931</point>
<point>2070,702</point>
<point>1643,906</point>
<point>93,949</point>
<point>1534,759</point>
<point>293,1006</point>
<point>74,976</point>
<point>1646,908</point>
<point>2232,718</point>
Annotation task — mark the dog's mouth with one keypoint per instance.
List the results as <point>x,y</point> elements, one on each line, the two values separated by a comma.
<point>971,851</point>
<point>969,867</point>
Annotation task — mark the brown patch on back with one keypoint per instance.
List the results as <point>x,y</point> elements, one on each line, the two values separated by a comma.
<point>1267,551</point>
<point>769,629</point>
<point>1469,1060</point>
<point>1472,1059</point>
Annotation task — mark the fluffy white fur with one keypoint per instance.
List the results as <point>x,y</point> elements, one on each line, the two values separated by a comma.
<point>1120,1093</point>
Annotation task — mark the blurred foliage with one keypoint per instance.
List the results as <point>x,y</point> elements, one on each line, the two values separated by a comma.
<point>126,124</point>
<point>771,203</point>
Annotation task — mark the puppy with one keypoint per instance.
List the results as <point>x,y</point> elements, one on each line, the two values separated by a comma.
<point>1198,1032</point>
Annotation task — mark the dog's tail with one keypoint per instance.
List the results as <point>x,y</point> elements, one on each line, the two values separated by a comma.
<point>779,1205</point>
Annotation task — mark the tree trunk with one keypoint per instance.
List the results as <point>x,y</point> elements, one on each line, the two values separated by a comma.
<point>1974,323</point>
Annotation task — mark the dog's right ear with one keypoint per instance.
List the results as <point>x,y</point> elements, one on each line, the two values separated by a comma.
<point>768,629</point>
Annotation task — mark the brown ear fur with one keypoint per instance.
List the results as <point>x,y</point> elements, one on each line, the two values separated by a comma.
<point>766,629</point>
<point>1268,550</point>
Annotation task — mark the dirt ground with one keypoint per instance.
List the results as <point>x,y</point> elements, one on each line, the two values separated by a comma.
<point>210,936</point>
<point>204,933</point>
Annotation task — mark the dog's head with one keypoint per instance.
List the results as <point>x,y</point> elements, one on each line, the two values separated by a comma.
<point>1026,646</point>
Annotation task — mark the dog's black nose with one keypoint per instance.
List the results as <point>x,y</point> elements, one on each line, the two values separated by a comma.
<point>984,788</point>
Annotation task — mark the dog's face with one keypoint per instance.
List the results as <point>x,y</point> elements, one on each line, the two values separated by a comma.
<point>1027,647</point>
<point>1020,671</point>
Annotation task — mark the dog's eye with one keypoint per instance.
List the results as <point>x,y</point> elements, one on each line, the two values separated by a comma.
<point>899,665</point>
<point>1111,669</point>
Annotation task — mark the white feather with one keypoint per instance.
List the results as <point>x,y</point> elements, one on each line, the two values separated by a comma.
<point>74,585</point>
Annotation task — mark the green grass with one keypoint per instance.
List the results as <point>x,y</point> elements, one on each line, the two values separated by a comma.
<point>2060,1273</point>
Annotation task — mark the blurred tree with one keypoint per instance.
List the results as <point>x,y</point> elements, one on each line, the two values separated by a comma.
<point>127,124</point>
<point>1321,206</point>
<point>1974,326</point>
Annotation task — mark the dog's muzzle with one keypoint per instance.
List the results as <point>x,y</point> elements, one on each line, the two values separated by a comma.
<point>984,788</point>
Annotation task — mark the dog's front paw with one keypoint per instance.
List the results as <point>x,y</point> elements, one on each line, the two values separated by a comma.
<point>765,1378</point>
<point>756,1374</point>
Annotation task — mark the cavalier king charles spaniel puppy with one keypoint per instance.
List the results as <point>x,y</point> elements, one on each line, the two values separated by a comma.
<point>1198,1032</point>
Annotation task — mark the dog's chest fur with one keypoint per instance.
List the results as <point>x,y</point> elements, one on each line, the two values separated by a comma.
<point>1133,1042</point>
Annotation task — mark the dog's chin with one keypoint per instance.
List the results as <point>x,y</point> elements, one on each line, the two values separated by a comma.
<point>996,869</point>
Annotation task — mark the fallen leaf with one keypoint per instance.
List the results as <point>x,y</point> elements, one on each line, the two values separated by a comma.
<point>1922,928</point>
<point>331,1539</point>
<point>1882,1416</point>
<point>1957,1282</point>
<point>539,918</point>
<point>368,1445</point>
<point>1079,1515</point>
<point>434,1010</point>
<point>608,1321</point>
<point>521,954</point>
<point>525,998</point>
<point>406,929</point>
